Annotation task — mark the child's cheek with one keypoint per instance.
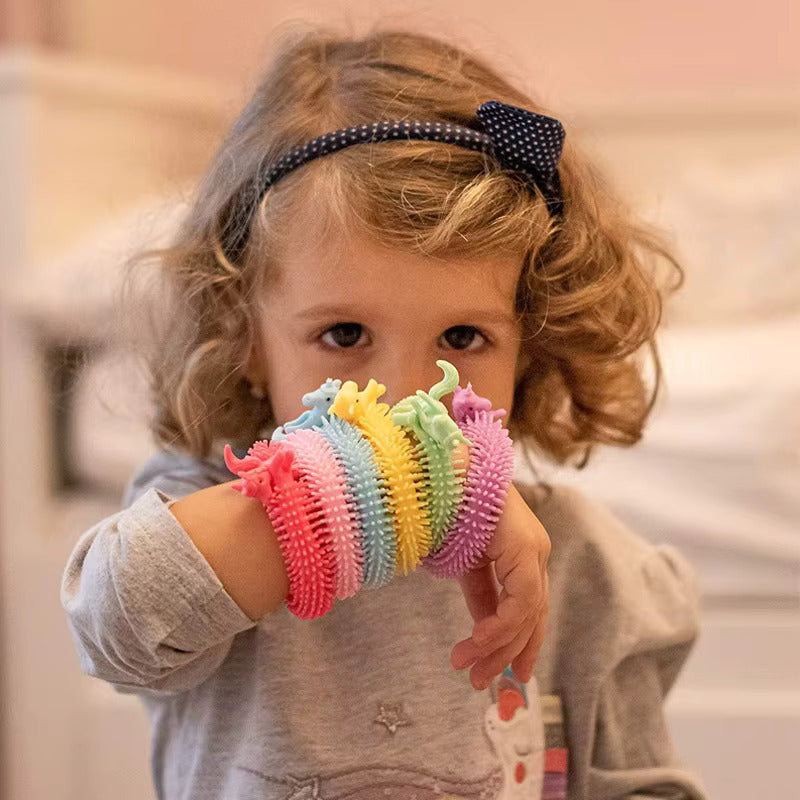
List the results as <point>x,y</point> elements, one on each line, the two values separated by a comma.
<point>286,402</point>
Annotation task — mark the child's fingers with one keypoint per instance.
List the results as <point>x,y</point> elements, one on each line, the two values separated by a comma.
<point>486,669</point>
<point>517,643</point>
<point>464,654</point>
<point>524,591</point>
<point>520,653</point>
<point>502,631</point>
<point>468,651</point>
<point>512,614</point>
<point>523,663</point>
<point>523,594</point>
<point>480,591</point>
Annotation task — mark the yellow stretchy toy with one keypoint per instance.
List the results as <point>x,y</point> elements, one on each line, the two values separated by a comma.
<point>395,455</point>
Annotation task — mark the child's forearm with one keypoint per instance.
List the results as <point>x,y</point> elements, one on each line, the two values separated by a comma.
<point>234,534</point>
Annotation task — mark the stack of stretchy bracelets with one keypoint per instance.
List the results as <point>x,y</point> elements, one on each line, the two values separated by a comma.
<point>358,491</point>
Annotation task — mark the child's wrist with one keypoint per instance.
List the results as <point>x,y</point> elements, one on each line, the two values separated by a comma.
<point>238,542</point>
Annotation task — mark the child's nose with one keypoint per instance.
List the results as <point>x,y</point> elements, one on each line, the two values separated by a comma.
<point>403,376</point>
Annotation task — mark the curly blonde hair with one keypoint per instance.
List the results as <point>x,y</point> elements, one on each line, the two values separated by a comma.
<point>589,295</point>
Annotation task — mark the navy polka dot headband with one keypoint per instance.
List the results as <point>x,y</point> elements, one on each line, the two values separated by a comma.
<point>521,141</point>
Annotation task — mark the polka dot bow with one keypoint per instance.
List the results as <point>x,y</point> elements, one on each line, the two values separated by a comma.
<point>522,141</point>
<point>529,143</point>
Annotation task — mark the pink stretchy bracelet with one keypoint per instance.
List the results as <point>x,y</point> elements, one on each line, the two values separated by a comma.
<point>491,467</point>
<point>315,460</point>
<point>267,473</point>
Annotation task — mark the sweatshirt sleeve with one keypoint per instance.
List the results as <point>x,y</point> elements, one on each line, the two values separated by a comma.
<point>145,609</point>
<point>624,616</point>
<point>632,752</point>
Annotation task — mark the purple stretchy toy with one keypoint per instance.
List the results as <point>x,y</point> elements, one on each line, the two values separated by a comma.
<point>488,478</point>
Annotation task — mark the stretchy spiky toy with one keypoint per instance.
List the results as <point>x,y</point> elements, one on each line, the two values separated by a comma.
<point>491,466</point>
<point>437,435</point>
<point>319,402</point>
<point>315,461</point>
<point>266,473</point>
<point>357,492</point>
<point>378,538</point>
<point>400,470</point>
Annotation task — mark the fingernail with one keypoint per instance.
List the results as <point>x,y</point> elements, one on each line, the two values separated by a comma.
<point>480,684</point>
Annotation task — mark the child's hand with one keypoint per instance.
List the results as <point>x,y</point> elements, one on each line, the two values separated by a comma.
<point>509,628</point>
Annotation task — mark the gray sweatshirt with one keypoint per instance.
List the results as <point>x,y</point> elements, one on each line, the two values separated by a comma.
<point>363,703</point>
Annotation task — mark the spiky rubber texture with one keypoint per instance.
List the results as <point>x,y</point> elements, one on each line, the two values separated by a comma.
<point>444,484</point>
<point>403,479</point>
<point>368,493</point>
<point>326,482</point>
<point>309,559</point>
<point>267,474</point>
<point>488,479</point>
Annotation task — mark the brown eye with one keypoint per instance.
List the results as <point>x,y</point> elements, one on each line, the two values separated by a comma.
<point>463,337</point>
<point>345,334</point>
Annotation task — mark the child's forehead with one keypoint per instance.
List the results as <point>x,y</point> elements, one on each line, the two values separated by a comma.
<point>359,277</point>
<point>332,255</point>
<point>358,256</point>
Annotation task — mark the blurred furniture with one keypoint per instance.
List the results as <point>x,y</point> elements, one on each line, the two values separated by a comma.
<point>85,152</point>
<point>79,142</point>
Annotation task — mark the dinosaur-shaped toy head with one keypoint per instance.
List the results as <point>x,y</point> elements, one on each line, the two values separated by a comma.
<point>467,404</point>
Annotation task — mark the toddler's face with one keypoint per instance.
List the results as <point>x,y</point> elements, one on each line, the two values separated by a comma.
<point>358,311</point>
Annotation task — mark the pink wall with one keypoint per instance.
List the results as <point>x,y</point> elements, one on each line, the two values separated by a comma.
<point>564,51</point>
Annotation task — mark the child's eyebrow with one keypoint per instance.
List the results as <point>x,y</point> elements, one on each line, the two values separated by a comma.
<point>345,312</point>
<point>329,310</point>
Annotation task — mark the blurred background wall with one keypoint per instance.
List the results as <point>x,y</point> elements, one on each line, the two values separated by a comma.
<point>576,50</point>
<point>109,110</point>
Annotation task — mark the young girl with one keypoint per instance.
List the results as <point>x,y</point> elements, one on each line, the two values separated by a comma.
<point>382,203</point>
